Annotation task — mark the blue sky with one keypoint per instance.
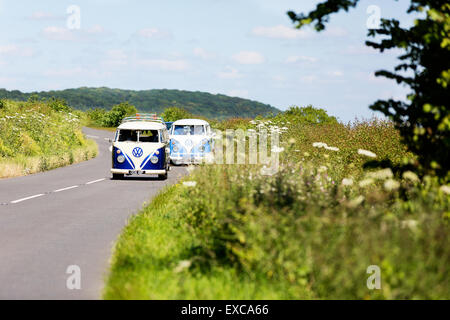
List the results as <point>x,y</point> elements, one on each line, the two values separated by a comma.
<point>245,48</point>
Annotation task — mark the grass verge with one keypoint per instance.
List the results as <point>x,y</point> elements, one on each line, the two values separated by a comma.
<point>150,261</point>
<point>23,165</point>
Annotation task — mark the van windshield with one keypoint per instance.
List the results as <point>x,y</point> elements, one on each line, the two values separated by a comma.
<point>138,136</point>
<point>182,130</point>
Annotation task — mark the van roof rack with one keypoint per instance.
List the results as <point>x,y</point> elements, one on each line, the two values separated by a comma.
<point>144,117</point>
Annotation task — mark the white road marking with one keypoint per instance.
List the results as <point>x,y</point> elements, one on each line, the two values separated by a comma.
<point>94,137</point>
<point>64,189</point>
<point>27,198</point>
<point>95,181</point>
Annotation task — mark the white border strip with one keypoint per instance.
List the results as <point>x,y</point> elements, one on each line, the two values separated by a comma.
<point>95,181</point>
<point>27,198</point>
<point>64,189</point>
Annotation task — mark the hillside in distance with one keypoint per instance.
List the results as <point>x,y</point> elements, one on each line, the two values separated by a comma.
<point>216,106</point>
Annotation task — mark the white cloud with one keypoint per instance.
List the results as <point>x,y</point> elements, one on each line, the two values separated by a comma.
<point>335,32</point>
<point>163,64</point>
<point>230,73</point>
<point>41,15</point>
<point>64,72</point>
<point>240,93</point>
<point>309,79</point>
<point>295,59</point>
<point>95,30</point>
<point>14,50</point>
<point>58,33</point>
<point>154,33</point>
<point>248,57</point>
<point>279,78</point>
<point>281,32</point>
<point>285,32</point>
<point>336,73</point>
<point>115,58</point>
<point>202,53</point>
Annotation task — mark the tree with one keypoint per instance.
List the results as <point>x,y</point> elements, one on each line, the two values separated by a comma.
<point>175,113</point>
<point>117,113</point>
<point>307,115</point>
<point>424,121</point>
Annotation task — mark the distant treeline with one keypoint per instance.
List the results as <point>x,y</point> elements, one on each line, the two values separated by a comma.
<point>214,106</point>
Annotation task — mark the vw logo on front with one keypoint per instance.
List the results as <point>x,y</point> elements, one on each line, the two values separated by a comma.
<point>137,152</point>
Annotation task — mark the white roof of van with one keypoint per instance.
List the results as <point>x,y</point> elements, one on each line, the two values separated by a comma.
<point>142,125</point>
<point>190,122</point>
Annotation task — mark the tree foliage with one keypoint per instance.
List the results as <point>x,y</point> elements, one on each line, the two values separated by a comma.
<point>307,115</point>
<point>175,113</point>
<point>423,121</point>
<point>213,106</point>
<point>117,113</point>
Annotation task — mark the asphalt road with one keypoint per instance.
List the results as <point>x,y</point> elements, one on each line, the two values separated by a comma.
<point>64,217</point>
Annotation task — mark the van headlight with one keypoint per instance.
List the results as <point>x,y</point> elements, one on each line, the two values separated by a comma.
<point>175,148</point>
<point>154,159</point>
<point>120,159</point>
<point>202,148</point>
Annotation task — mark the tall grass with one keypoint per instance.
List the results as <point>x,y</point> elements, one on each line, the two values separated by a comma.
<point>35,137</point>
<point>310,230</point>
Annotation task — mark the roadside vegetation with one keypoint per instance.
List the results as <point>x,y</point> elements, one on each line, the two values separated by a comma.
<point>40,135</point>
<point>343,199</point>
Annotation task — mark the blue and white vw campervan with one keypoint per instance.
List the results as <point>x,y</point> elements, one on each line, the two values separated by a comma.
<point>191,141</point>
<point>141,146</point>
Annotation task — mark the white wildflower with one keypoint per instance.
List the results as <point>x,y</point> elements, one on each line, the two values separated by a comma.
<point>445,189</point>
<point>331,148</point>
<point>410,224</point>
<point>319,145</point>
<point>347,182</point>
<point>366,182</point>
<point>381,174</point>
<point>391,185</point>
<point>356,202</point>
<point>189,183</point>
<point>409,175</point>
<point>322,169</point>
<point>367,153</point>
<point>182,265</point>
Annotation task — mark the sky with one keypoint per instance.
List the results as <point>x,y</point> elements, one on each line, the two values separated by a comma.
<point>245,48</point>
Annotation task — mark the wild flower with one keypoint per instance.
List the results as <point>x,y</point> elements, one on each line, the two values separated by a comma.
<point>356,202</point>
<point>367,153</point>
<point>319,145</point>
<point>347,182</point>
<point>410,224</point>
<point>366,182</point>
<point>182,265</point>
<point>445,189</point>
<point>331,148</point>
<point>381,174</point>
<point>322,169</point>
<point>409,175</point>
<point>391,185</point>
<point>189,183</point>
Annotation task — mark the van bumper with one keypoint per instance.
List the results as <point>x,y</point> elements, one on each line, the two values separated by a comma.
<point>130,172</point>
